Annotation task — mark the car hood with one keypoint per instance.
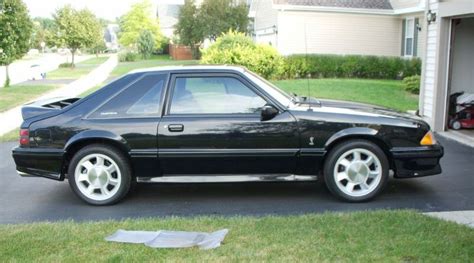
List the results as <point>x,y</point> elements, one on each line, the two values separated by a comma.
<point>357,109</point>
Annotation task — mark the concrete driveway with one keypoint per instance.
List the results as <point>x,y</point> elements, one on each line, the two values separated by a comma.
<point>37,199</point>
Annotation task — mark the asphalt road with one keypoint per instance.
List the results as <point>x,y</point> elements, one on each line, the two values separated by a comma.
<point>37,199</point>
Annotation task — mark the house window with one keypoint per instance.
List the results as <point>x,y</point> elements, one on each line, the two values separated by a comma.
<point>409,37</point>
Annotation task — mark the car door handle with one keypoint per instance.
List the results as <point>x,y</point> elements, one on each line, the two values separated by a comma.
<point>175,127</point>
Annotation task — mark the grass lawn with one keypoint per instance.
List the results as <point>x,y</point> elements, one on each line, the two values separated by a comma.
<point>18,94</point>
<point>81,69</point>
<point>387,93</point>
<point>10,136</point>
<point>156,61</point>
<point>388,236</point>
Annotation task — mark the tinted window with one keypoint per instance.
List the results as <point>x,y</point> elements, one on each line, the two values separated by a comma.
<point>213,95</point>
<point>141,99</point>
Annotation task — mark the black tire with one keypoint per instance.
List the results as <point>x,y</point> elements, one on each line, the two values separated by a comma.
<point>456,125</point>
<point>122,163</point>
<point>337,152</point>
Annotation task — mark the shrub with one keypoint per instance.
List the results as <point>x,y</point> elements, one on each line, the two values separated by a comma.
<point>350,66</point>
<point>146,43</point>
<point>412,84</point>
<point>128,56</point>
<point>238,49</point>
<point>65,65</point>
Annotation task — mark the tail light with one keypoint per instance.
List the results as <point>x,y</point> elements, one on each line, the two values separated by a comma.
<point>24,137</point>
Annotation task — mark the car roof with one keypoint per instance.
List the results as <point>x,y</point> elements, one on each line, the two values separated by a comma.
<point>189,68</point>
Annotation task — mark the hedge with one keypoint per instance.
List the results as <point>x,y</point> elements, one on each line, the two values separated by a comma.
<point>349,66</point>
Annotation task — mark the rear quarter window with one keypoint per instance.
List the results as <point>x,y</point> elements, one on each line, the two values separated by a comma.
<point>141,99</point>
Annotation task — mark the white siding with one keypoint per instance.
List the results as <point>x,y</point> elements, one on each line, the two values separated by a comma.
<point>429,72</point>
<point>338,33</point>
<point>265,19</point>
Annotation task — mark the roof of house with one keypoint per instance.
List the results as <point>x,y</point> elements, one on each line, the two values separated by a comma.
<point>360,4</point>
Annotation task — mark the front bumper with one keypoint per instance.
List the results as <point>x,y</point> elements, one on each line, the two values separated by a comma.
<point>32,162</point>
<point>420,161</point>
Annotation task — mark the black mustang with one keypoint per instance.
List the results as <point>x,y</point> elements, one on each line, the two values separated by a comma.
<point>217,124</point>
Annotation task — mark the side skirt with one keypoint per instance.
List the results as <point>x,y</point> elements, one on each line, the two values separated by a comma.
<point>226,178</point>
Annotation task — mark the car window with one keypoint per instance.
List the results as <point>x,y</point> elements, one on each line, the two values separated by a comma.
<point>213,95</point>
<point>141,99</point>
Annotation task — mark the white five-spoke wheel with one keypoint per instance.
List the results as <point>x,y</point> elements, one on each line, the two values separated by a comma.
<point>356,170</point>
<point>99,174</point>
<point>97,177</point>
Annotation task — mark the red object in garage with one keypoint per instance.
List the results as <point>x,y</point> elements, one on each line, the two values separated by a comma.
<point>461,111</point>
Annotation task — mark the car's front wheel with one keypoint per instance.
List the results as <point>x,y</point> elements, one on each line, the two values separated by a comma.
<point>356,170</point>
<point>99,175</point>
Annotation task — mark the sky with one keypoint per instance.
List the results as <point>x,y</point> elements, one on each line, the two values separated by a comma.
<point>108,9</point>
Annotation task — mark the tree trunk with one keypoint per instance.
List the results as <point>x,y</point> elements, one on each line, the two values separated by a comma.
<point>72,59</point>
<point>7,77</point>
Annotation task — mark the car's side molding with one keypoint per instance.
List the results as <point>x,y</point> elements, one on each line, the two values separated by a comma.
<point>96,135</point>
<point>350,132</point>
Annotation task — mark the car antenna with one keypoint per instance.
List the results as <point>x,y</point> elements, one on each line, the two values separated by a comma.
<point>308,98</point>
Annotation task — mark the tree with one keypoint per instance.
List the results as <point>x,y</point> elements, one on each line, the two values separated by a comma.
<point>222,16</point>
<point>15,32</point>
<point>213,18</point>
<point>76,29</point>
<point>146,43</point>
<point>43,31</point>
<point>189,27</point>
<point>139,18</point>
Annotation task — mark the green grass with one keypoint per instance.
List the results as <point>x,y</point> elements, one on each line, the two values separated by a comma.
<point>386,93</point>
<point>10,136</point>
<point>81,69</point>
<point>156,61</point>
<point>382,236</point>
<point>18,94</point>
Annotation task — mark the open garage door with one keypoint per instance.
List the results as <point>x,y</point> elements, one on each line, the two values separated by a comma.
<point>461,78</point>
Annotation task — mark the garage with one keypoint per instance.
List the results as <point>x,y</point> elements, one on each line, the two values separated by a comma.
<point>447,87</point>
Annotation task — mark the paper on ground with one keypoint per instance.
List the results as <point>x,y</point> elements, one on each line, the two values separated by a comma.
<point>170,239</point>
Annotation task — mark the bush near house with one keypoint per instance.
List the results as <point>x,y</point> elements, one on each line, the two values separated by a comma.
<point>350,66</point>
<point>412,84</point>
<point>128,56</point>
<point>236,48</point>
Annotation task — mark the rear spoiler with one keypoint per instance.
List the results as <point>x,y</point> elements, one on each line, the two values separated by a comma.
<point>41,107</point>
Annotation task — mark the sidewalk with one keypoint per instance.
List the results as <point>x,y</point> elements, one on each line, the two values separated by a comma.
<point>12,119</point>
<point>460,217</point>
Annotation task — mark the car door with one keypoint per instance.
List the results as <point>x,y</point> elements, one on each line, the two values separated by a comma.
<point>212,125</point>
<point>132,116</point>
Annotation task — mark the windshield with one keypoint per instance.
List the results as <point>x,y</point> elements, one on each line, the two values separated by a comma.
<point>281,96</point>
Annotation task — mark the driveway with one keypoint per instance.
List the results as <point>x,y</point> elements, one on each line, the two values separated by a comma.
<point>37,199</point>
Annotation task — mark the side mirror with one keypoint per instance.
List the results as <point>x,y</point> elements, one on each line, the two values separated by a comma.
<point>268,112</point>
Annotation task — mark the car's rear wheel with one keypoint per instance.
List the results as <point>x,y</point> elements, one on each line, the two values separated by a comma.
<point>99,175</point>
<point>356,170</point>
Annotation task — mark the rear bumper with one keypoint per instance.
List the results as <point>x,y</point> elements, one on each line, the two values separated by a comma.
<point>33,162</point>
<point>420,161</point>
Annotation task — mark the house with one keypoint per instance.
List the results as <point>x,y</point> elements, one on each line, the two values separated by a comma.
<point>167,11</point>
<point>440,32</point>
<point>448,62</point>
<point>362,27</point>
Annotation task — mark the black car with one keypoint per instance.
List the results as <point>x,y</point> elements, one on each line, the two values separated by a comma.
<point>217,124</point>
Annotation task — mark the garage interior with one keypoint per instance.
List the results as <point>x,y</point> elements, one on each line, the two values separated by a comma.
<point>460,112</point>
